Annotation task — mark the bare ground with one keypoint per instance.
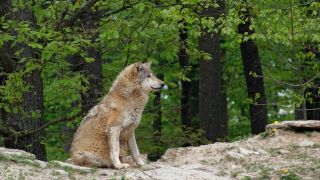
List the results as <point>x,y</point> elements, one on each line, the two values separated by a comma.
<point>276,154</point>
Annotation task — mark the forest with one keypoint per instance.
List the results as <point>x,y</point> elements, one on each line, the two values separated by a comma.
<point>230,68</point>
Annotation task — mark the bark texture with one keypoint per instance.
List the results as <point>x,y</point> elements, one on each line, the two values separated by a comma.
<point>32,101</point>
<point>255,85</point>
<point>185,85</point>
<point>212,96</point>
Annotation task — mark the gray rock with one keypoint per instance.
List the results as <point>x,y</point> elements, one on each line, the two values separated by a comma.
<point>246,151</point>
<point>74,167</point>
<point>61,172</point>
<point>235,155</point>
<point>16,153</point>
<point>283,151</point>
<point>41,163</point>
<point>301,124</point>
<point>187,171</point>
<point>305,143</point>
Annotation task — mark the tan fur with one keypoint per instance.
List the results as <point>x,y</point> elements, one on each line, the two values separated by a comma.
<point>110,125</point>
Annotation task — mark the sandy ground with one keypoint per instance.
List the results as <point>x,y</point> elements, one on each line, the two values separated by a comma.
<point>277,154</point>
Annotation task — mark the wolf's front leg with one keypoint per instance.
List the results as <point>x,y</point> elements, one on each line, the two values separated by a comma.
<point>132,143</point>
<point>114,145</point>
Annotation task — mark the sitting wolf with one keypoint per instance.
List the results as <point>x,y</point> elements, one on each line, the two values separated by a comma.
<point>108,129</point>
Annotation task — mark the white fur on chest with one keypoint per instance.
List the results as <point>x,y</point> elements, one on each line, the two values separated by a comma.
<point>132,117</point>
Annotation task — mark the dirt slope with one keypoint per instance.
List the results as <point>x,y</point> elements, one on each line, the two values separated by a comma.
<point>273,155</point>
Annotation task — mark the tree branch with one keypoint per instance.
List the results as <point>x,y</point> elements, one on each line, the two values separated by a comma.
<point>13,133</point>
<point>70,22</point>
<point>123,8</point>
<point>90,3</point>
<point>313,50</point>
<point>63,15</point>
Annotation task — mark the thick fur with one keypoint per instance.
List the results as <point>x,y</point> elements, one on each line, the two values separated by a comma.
<point>107,131</point>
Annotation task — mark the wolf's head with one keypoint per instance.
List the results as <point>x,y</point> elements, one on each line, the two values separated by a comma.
<point>146,79</point>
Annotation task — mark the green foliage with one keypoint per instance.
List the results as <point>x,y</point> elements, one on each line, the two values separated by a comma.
<point>238,130</point>
<point>149,30</point>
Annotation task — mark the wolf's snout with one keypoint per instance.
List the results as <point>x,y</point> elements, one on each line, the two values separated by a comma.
<point>162,84</point>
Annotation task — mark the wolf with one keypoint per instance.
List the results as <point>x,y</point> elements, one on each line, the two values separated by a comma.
<point>108,130</point>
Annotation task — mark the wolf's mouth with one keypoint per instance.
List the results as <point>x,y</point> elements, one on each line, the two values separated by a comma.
<point>156,88</point>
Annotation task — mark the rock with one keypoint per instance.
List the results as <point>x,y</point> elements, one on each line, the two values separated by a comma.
<point>261,151</point>
<point>9,153</point>
<point>41,163</point>
<point>283,151</point>
<point>244,159</point>
<point>303,125</point>
<point>305,143</point>
<point>74,167</point>
<point>61,172</point>
<point>235,155</point>
<point>187,171</point>
<point>246,151</point>
<point>69,160</point>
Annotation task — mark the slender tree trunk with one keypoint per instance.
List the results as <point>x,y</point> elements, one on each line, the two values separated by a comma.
<point>185,85</point>
<point>312,93</point>
<point>194,100</point>
<point>255,85</point>
<point>32,101</point>
<point>212,96</point>
<point>313,112</point>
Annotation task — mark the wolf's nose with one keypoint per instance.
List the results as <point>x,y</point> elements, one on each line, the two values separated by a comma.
<point>163,84</point>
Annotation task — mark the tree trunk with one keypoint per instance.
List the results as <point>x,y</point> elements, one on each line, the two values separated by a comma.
<point>313,112</point>
<point>212,96</point>
<point>312,104</point>
<point>32,100</point>
<point>255,85</point>
<point>185,85</point>
<point>194,100</point>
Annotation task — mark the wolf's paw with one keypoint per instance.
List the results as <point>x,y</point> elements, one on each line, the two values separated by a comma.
<point>125,165</point>
<point>122,166</point>
<point>140,162</point>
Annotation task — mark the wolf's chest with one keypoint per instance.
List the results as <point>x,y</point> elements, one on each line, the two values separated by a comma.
<point>132,117</point>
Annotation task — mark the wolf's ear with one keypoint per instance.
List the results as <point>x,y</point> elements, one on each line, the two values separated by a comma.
<point>148,64</point>
<point>138,66</point>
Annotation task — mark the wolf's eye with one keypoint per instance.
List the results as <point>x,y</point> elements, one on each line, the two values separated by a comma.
<point>149,75</point>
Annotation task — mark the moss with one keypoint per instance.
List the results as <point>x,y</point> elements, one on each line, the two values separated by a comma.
<point>291,176</point>
<point>316,146</point>
<point>246,178</point>
<point>19,159</point>
<point>264,172</point>
<point>93,170</point>
<point>68,169</point>
<point>234,173</point>
<point>21,176</point>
